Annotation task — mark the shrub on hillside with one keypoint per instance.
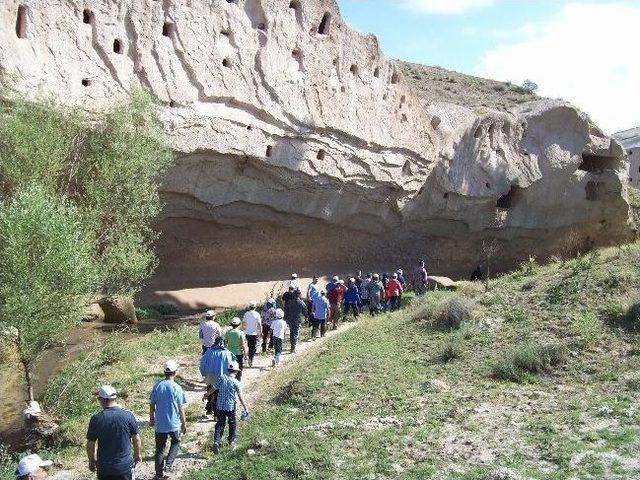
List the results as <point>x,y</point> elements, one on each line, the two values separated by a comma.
<point>448,314</point>
<point>528,360</point>
<point>453,346</point>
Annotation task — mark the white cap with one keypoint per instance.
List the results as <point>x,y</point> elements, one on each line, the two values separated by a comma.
<point>171,366</point>
<point>335,278</point>
<point>30,464</point>
<point>210,314</point>
<point>271,300</point>
<point>341,282</point>
<point>279,313</point>
<point>107,392</point>
<point>252,304</point>
<point>234,366</point>
<point>395,275</point>
<point>323,292</point>
<point>399,271</point>
<point>294,275</point>
<point>235,321</point>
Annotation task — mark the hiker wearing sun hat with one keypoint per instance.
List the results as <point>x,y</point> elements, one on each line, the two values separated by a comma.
<point>31,467</point>
<point>210,330</point>
<point>236,342</point>
<point>228,387</point>
<point>114,429</point>
<point>252,328</point>
<point>278,329</point>
<point>166,414</point>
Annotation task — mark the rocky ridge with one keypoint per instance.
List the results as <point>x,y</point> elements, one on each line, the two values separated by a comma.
<point>299,146</point>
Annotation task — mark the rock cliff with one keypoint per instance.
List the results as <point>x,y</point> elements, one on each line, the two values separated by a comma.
<point>300,147</point>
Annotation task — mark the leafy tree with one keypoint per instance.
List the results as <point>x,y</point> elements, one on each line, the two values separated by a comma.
<point>78,195</point>
<point>47,272</point>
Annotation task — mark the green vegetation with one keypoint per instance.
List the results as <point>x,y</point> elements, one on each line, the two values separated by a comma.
<point>77,197</point>
<point>537,374</point>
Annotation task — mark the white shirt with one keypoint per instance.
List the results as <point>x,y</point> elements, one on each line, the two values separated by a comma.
<point>295,284</point>
<point>209,331</point>
<point>278,328</point>
<point>251,322</point>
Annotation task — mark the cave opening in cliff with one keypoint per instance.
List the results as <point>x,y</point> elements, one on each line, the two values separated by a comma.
<point>87,16</point>
<point>226,63</point>
<point>168,29</point>
<point>509,199</point>
<point>354,70</point>
<point>597,163</point>
<point>21,21</point>
<point>376,72</point>
<point>117,46</point>
<point>595,191</point>
<point>325,23</point>
<point>269,151</point>
<point>395,78</point>
<point>86,82</point>
<point>321,154</point>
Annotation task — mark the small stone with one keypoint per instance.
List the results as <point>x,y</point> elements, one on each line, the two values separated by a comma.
<point>251,452</point>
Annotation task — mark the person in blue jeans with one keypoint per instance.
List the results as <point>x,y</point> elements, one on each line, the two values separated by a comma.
<point>228,387</point>
<point>352,299</point>
<point>166,413</point>
<point>110,436</point>
<point>321,309</point>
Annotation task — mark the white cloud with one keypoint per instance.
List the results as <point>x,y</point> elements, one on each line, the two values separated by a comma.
<point>587,55</point>
<point>445,6</point>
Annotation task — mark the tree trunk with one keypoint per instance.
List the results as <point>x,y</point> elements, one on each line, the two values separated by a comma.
<point>28,380</point>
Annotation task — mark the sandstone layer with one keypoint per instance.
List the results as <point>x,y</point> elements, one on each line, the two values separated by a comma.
<point>299,147</point>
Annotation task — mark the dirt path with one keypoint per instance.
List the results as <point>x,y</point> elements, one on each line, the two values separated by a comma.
<point>199,431</point>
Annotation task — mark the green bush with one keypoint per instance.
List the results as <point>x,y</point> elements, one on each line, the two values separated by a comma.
<point>454,312</point>
<point>528,360</point>
<point>453,346</point>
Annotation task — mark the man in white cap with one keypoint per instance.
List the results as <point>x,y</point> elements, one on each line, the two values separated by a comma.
<point>321,311</point>
<point>294,281</point>
<point>31,467</point>
<point>166,413</point>
<point>210,330</point>
<point>278,329</point>
<point>252,327</point>
<point>213,365</point>
<point>228,387</point>
<point>236,342</point>
<point>114,429</point>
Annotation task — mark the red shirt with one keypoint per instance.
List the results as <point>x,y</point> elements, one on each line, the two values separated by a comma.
<point>393,289</point>
<point>336,295</point>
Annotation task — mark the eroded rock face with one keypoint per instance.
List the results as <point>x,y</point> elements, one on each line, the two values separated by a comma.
<point>299,147</point>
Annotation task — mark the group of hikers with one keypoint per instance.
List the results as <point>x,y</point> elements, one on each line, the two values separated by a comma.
<point>113,437</point>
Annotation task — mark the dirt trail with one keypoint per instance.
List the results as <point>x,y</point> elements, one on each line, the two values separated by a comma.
<point>198,432</point>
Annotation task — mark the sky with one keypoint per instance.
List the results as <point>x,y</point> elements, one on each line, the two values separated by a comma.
<point>586,52</point>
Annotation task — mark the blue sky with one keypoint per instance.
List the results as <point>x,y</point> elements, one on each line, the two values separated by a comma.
<point>581,51</point>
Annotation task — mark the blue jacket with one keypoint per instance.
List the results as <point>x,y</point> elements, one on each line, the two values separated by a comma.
<point>352,295</point>
<point>215,361</point>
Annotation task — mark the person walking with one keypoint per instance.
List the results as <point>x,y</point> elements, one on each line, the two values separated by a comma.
<point>332,284</point>
<point>352,299</point>
<point>228,388</point>
<point>110,437</point>
<point>420,279</point>
<point>213,364</point>
<point>376,294</point>
<point>294,281</point>
<point>336,295</point>
<point>209,331</point>
<point>268,315</point>
<point>32,467</point>
<point>393,292</point>
<point>166,414</point>
<point>289,296</point>
<point>313,291</point>
<point>294,314</point>
<point>321,310</point>
<point>252,328</point>
<point>278,330</point>
<point>236,342</point>
<point>364,291</point>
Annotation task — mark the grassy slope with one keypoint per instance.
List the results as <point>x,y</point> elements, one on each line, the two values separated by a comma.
<point>365,406</point>
<point>436,84</point>
<point>333,415</point>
